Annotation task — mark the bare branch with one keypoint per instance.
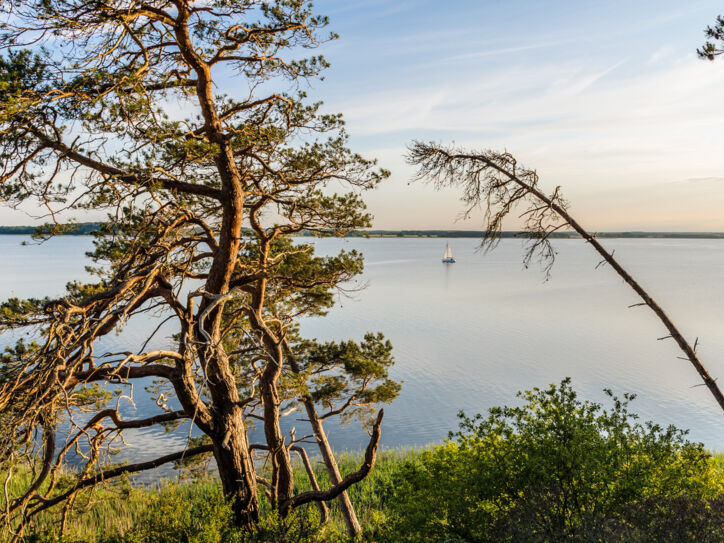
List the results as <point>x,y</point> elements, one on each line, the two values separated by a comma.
<point>486,177</point>
<point>112,473</point>
<point>355,477</point>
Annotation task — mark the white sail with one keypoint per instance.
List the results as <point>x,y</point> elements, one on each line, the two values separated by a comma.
<point>448,253</point>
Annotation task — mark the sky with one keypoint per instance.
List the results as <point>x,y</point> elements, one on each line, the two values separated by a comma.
<point>605,98</point>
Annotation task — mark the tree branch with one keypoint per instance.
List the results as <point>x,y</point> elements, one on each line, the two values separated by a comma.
<point>125,177</point>
<point>349,480</point>
<point>110,474</point>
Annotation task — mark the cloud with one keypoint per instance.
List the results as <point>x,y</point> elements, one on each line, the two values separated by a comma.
<point>369,8</point>
<point>697,180</point>
<point>589,80</point>
<point>503,51</point>
<point>552,100</point>
<point>619,125</point>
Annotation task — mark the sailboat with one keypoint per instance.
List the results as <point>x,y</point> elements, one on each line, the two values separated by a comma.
<point>447,256</point>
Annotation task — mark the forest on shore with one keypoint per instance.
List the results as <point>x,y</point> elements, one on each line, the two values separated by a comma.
<point>89,228</point>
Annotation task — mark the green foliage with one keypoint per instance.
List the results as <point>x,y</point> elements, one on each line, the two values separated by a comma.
<point>19,71</point>
<point>174,518</point>
<point>298,281</point>
<point>714,45</point>
<point>210,522</point>
<point>119,513</point>
<point>16,312</point>
<point>347,377</point>
<point>180,513</point>
<point>301,527</point>
<point>91,395</point>
<point>554,469</point>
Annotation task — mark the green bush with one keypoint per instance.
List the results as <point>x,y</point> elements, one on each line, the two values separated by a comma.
<point>555,469</point>
<point>184,515</point>
<point>301,526</point>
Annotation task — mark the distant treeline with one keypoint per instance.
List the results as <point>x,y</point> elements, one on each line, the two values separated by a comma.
<point>77,229</point>
<point>87,228</point>
<point>564,235</point>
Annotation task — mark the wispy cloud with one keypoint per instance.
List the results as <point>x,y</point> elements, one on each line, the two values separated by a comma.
<point>630,128</point>
<point>369,8</point>
<point>502,51</point>
<point>550,97</point>
<point>589,80</point>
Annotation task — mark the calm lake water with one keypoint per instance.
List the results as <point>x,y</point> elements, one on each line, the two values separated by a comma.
<point>467,336</point>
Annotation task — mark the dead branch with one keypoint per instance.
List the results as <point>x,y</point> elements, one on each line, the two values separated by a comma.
<point>112,473</point>
<point>480,175</point>
<point>355,477</point>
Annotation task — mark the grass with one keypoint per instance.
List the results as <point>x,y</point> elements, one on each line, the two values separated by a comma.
<point>113,512</point>
<point>116,508</point>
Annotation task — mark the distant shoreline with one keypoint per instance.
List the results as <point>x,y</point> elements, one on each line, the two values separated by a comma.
<point>558,235</point>
<point>85,229</point>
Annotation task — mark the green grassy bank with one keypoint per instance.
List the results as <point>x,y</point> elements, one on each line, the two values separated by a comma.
<point>193,510</point>
<point>554,469</point>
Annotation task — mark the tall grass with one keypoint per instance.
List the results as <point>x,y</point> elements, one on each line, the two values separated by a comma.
<point>114,511</point>
<point>192,509</point>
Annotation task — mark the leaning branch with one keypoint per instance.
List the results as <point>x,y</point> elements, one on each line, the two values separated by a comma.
<point>494,170</point>
<point>110,474</point>
<point>123,372</point>
<point>123,176</point>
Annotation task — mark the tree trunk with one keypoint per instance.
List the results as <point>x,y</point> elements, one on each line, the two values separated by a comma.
<point>282,470</point>
<point>230,440</point>
<point>236,468</point>
<point>345,504</point>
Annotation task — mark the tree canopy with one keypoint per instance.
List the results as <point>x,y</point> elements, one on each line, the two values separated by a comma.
<point>187,123</point>
<point>714,45</point>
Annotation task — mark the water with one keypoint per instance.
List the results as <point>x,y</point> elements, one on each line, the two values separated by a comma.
<point>467,336</point>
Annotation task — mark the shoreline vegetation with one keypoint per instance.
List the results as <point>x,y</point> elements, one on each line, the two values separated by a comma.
<point>89,228</point>
<point>191,508</point>
<point>557,468</point>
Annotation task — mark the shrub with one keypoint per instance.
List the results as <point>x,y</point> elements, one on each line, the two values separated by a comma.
<point>199,514</point>
<point>185,514</point>
<point>555,469</point>
<point>299,527</point>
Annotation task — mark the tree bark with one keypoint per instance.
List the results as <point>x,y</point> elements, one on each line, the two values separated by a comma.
<point>345,504</point>
<point>236,471</point>
<point>282,470</point>
<point>282,484</point>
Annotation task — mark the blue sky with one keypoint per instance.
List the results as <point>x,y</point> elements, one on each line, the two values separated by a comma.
<point>605,98</point>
